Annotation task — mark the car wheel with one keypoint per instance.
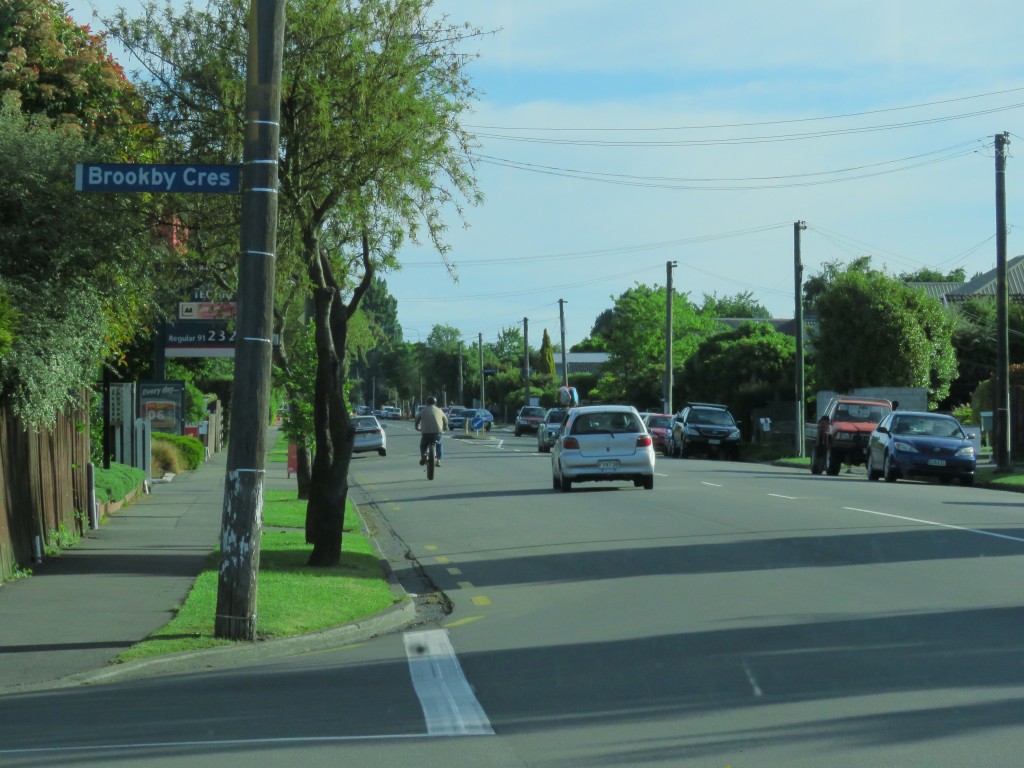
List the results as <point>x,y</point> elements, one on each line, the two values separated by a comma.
<point>649,482</point>
<point>873,474</point>
<point>555,483</point>
<point>966,480</point>
<point>566,484</point>
<point>383,452</point>
<point>817,461</point>
<point>833,462</point>
<point>889,471</point>
<point>682,451</point>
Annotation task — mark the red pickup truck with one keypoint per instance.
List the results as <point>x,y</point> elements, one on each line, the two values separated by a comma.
<point>843,431</point>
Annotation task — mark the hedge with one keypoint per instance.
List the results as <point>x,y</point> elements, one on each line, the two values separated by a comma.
<point>116,483</point>
<point>190,448</point>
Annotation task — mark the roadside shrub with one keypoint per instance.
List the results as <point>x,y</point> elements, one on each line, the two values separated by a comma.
<point>191,449</point>
<point>166,458</point>
<point>116,483</point>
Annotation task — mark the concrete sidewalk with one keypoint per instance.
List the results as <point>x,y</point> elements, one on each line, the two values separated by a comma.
<point>120,583</point>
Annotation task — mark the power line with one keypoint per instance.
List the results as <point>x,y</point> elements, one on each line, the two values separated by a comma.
<point>742,140</point>
<point>658,182</point>
<point>720,126</point>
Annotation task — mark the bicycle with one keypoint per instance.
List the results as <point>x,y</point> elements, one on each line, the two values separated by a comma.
<point>432,457</point>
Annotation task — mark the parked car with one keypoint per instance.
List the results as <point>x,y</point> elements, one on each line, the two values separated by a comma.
<point>548,431</point>
<point>529,418</point>
<point>602,442</point>
<point>658,425</point>
<point>369,436</point>
<point>467,415</point>
<point>921,444</point>
<point>842,432</point>
<point>704,428</point>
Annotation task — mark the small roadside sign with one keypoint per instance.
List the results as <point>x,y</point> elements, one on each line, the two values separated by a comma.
<point>207,310</point>
<point>158,177</point>
<point>477,423</point>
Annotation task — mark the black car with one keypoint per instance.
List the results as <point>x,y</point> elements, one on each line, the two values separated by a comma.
<point>704,428</point>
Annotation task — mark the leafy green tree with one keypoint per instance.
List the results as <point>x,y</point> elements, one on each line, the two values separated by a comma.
<point>742,304</point>
<point>508,347</point>
<point>372,153</point>
<point>76,267</point>
<point>744,368</point>
<point>62,70</point>
<point>875,331</point>
<point>635,339</point>
<point>926,275</point>
<point>597,341</point>
<point>546,363</point>
<point>974,339</point>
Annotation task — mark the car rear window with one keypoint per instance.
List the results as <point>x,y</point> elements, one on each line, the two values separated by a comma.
<point>532,412</point>
<point>605,422</point>
<point>658,421</point>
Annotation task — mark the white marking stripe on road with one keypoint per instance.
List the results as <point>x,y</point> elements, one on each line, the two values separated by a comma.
<point>449,706</point>
<point>780,496</point>
<point>940,525</point>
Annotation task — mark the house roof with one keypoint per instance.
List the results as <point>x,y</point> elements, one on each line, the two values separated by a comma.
<point>982,285</point>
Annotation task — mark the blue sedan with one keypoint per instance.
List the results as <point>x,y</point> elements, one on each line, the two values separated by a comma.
<point>919,444</point>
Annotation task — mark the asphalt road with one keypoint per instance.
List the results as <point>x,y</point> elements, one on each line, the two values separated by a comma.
<point>736,615</point>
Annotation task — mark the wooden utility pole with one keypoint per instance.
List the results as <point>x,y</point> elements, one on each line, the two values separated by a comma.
<point>526,361</point>
<point>483,402</point>
<point>561,321</point>
<point>798,309</point>
<point>241,523</point>
<point>669,294</point>
<point>1001,415</point>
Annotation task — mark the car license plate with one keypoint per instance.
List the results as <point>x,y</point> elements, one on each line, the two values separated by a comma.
<point>714,441</point>
<point>936,462</point>
<point>608,464</point>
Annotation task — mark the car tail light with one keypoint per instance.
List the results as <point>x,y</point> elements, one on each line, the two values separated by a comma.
<point>642,441</point>
<point>571,443</point>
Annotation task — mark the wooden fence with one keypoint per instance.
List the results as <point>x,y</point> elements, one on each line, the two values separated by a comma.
<point>43,484</point>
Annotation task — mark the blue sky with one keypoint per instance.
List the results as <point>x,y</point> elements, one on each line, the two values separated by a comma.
<point>616,136</point>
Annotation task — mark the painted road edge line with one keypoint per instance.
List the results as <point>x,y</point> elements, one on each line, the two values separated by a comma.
<point>450,707</point>
<point>940,525</point>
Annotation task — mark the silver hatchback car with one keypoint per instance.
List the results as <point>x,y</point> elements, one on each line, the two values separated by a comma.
<point>602,442</point>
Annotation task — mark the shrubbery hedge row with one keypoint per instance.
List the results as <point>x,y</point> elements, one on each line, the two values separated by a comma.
<point>116,483</point>
<point>190,448</point>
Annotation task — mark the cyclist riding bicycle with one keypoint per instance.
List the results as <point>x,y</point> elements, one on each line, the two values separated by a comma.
<point>432,423</point>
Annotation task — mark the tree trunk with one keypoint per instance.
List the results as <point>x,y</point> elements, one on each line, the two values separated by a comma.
<point>303,468</point>
<point>328,489</point>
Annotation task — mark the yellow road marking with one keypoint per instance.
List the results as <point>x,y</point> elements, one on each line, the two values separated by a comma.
<point>481,600</point>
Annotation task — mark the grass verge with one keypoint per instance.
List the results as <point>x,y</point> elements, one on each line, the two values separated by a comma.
<point>292,599</point>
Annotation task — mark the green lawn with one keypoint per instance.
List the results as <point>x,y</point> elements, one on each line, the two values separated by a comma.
<point>292,598</point>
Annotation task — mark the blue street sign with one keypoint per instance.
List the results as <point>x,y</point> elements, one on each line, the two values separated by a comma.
<point>477,422</point>
<point>157,177</point>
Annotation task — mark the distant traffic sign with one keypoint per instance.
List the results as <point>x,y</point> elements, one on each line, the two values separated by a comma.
<point>158,177</point>
<point>477,423</point>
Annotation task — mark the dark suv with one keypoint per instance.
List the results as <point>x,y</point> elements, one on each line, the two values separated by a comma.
<point>706,428</point>
<point>842,433</point>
